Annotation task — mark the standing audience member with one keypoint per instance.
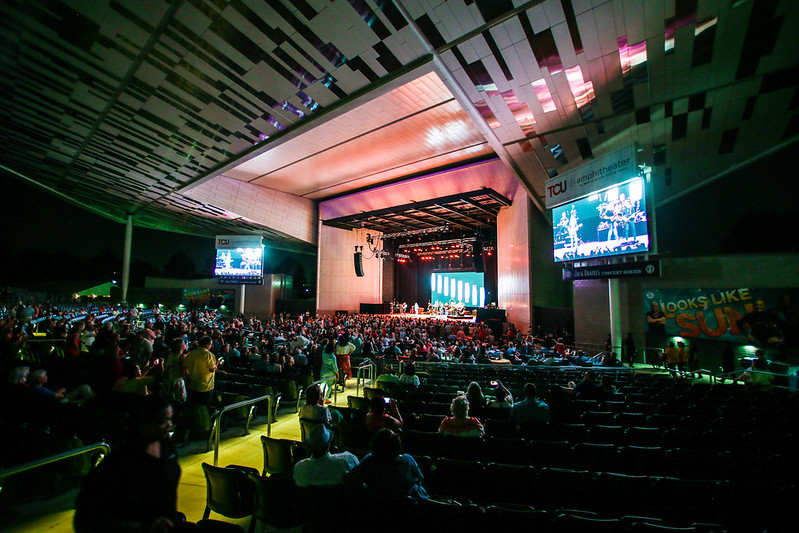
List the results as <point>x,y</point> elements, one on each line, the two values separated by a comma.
<point>201,365</point>
<point>173,383</point>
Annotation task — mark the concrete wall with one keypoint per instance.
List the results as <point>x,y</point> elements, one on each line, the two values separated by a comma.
<point>259,300</point>
<point>513,266</point>
<point>337,286</point>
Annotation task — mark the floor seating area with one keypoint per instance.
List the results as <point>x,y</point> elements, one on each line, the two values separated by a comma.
<point>658,455</point>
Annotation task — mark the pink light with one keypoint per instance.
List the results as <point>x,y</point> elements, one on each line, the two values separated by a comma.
<point>631,55</point>
<point>521,112</point>
<point>543,94</point>
<point>583,91</point>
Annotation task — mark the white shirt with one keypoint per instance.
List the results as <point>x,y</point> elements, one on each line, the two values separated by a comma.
<point>329,469</point>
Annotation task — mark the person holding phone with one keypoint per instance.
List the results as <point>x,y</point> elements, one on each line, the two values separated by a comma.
<point>377,417</point>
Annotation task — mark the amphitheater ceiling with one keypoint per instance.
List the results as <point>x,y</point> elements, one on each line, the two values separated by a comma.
<point>125,106</point>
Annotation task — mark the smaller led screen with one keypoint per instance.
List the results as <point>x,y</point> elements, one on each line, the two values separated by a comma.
<point>605,223</point>
<point>239,262</point>
<point>467,288</point>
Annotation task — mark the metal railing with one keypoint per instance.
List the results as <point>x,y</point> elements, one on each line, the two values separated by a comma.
<point>325,385</point>
<point>737,376</point>
<point>251,403</point>
<point>14,470</point>
<point>369,368</point>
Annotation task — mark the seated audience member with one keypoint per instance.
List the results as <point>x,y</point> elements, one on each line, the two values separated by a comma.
<point>531,410</point>
<point>133,381</point>
<point>503,397</point>
<point>757,375</point>
<point>38,378</point>
<point>386,472</point>
<point>608,386</point>
<point>611,359</point>
<point>474,393</point>
<point>377,418</point>
<point>315,408</point>
<point>587,389</point>
<point>387,380</point>
<point>409,379</point>
<point>135,487</point>
<point>460,424</point>
<point>323,467</point>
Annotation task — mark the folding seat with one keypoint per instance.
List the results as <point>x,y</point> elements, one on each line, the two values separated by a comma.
<point>682,438</point>
<point>449,517</point>
<point>422,443</point>
<point>429,422</point>
<point>557,454</point>
<point>563,487</point>
<point>460,480</point>
<point>571,432</point>
<point>621,494</point>
<point>629,419</point>
<point>464,448</point>
<point>592,418</point>
<point>505,517</point>
<point>438,408</point>
<point>278,455</point>
<point>662,421</point>
<point>613,407</point>
<point>512,451</point>
<point>641,460</point>
<point>518,482</point>
<point>581,406</point>
<point>643,436</point>
<point>229,491</point>
<point>596,457</point>
<point>685,463</point>
<point>605,434</point>
<point>500,428</point>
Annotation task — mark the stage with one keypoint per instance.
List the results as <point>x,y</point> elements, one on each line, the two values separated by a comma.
<point>426,316</point>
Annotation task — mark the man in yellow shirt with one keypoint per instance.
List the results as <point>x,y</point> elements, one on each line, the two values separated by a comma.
<point>200,366</point>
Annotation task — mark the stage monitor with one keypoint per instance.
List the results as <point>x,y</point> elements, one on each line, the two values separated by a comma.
<point>608,222</point>
<point>239,263</point>
<point>467,288</point>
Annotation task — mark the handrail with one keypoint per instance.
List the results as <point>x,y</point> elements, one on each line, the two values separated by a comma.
<point>736,375</point>
<point>8,472</point>
<point>245,403</point>
<point>327,381</point>
<point>372,368</point>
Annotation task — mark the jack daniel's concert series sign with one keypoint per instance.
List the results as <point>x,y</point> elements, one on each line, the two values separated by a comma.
<point>640,269</point>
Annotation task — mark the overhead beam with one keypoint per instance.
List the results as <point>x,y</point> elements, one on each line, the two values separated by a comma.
<point>478,206</point>
<point>464,215</point>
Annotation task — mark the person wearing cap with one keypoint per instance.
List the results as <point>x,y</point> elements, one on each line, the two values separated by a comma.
<point>323,467</point>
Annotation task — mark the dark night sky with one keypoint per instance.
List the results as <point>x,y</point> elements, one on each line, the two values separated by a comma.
<point>41,222</point>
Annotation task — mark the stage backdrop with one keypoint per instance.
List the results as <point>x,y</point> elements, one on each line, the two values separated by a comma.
<point>764,317</point>
<point>412,280</point>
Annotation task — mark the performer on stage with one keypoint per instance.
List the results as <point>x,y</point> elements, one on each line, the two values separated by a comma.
<point>572,227</point>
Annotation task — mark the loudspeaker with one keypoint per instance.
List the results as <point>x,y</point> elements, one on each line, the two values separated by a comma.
<point>477,254</point>
<point>358,260</point>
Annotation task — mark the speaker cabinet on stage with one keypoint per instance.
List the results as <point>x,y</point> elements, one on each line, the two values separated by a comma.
<point>376,309</point>
<point>358,260</point>
<point>477,254</point>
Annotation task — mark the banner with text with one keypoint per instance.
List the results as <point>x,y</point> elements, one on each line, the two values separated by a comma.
<point>213,298</point>
<point>599,174</point>
<point>639,269</point>
<point>225,242</point>
<point>763,317</point>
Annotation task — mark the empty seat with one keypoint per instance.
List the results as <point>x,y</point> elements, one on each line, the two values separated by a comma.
<point>643,436</point>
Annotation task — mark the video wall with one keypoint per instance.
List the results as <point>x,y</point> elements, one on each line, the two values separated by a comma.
<point>467,288</point>
<point>609,222</point>
<point>239,262</point>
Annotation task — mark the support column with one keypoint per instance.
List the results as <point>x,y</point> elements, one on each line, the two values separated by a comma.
<point>614,305</point>
<point>241,299</point>
<point>126,258</point>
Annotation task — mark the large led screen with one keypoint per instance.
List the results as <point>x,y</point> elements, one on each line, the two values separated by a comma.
<point>239,262</point>
<point>609,222</point>
<point>466,288</point>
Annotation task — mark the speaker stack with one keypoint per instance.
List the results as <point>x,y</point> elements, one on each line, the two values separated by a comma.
<point>477,254</point>
<point>358,260</point>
